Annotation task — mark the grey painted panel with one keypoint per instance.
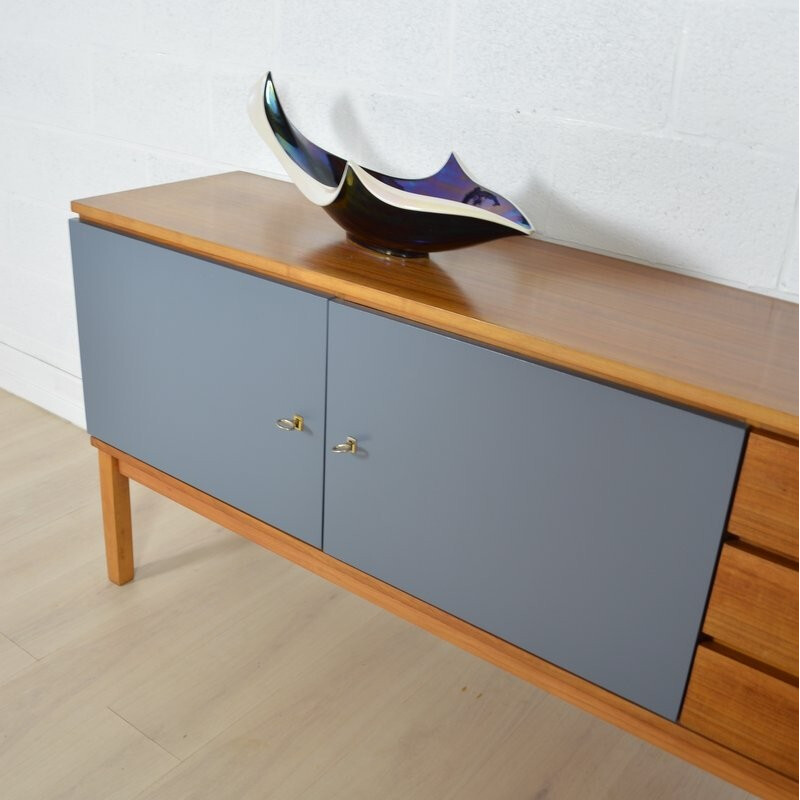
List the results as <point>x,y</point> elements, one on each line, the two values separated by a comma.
<point>187,364</point>
<point>578,521</point>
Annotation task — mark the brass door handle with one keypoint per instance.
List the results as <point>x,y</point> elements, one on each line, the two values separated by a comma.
<point>350,445</point>
<point>294,424</point>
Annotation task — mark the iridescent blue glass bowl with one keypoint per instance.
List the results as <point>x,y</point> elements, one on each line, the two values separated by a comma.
<point>406,217</point>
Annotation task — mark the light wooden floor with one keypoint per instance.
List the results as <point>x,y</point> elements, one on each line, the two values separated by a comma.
<point>223,672</point>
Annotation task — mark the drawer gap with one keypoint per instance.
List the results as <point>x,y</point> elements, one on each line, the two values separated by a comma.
<point>733,540</point>
<point>735,655</point>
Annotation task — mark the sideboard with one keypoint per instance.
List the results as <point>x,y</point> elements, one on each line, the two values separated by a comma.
<point>580,469</point>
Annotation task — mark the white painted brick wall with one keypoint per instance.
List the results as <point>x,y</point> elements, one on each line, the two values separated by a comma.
<point>660,130</point>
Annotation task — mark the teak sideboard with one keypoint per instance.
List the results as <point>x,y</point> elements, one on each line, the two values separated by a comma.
<point>578,468</point>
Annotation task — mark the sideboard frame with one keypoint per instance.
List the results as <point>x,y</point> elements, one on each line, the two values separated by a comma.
<point>118,468</point>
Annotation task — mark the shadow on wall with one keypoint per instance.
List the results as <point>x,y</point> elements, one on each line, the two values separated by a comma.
<point>554,217</point>
<point>577,228</point>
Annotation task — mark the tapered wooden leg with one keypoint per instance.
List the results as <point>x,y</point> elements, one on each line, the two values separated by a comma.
<point>117,527</point>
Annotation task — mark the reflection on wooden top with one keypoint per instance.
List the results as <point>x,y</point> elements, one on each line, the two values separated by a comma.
<point>712,347</point>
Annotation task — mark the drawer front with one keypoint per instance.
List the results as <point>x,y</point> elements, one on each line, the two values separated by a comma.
<point>575,520</point>
<point>743,708</point>
<point>753,608</point>
<point>765,506</point>
<point>187,364</point>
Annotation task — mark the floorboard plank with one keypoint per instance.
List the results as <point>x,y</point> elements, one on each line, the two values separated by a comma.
<point>13,659</point>
<point>104,757</point>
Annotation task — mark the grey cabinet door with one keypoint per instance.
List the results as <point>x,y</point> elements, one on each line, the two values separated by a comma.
<point>187,364</point>
<point>576,520</point>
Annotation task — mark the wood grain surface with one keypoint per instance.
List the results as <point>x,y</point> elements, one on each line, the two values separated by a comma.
<point>711,347</point>
<point>765,507</point>
<point>750,711</point>
<point>753,607</point>
<point>672,737</point>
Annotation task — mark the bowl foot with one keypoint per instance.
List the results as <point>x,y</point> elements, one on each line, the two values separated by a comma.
<point>387,251</point>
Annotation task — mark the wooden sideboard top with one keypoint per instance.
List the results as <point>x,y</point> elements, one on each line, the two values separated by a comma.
<point>712,347</point>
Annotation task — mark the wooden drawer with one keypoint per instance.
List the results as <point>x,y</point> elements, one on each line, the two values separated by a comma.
<point>765,507</point>
<point>753,607</point>
<point>743,708</point>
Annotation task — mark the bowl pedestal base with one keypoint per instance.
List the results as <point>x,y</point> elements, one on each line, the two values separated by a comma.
<point>386,251</point>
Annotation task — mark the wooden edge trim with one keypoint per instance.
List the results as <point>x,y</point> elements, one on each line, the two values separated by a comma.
<point>772,435</point>
<point>692,747</point>
<point>769,419</point>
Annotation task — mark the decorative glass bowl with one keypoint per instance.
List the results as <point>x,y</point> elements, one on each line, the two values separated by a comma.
<point>406,217</point>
